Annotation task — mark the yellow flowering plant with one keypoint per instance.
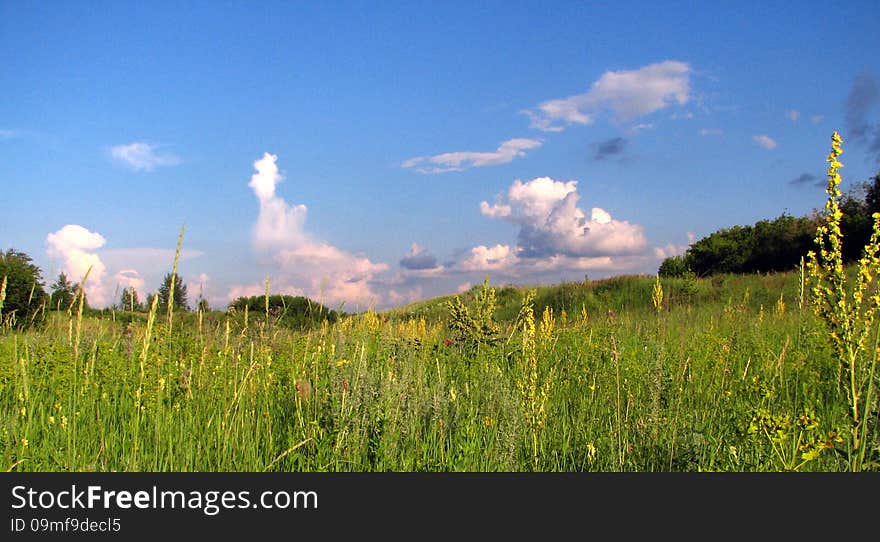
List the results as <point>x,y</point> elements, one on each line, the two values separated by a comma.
<point>848,310</point>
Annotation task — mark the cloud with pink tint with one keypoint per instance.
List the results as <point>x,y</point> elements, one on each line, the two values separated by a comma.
<point>75,246</point>
<point>129,278</point>
<point>301,264</point>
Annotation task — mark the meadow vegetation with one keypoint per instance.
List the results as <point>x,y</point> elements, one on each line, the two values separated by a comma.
<point>730,372</point>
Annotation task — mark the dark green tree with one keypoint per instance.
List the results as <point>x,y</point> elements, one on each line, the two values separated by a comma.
<point>778,245</point>
<point>856,223</point>
<point>25,298</point>
<point>129,300</point>
<point>63,292</point>
<point>295,312</point>
<point>725,251</point>
<point>674,266</point>
<point>872,194</point>
<point>180,301</point>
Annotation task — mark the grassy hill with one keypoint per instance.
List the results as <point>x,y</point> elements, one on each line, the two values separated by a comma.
<point>732,373</point>
<point>627,293</point>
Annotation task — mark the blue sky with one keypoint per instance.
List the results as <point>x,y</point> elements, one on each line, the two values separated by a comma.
<point>375,153</point>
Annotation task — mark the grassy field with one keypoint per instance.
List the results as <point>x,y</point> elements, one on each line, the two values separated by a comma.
<point>729,373</point>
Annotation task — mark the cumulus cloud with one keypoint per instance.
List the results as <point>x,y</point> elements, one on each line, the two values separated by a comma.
<point>142,156</point>
<point>551,223</point>
<point>418,258</point>
<point>458,161</point>
<point>556,241</point>
<point>608,147</point>
<point>860,128</point>
<point>129,278</point>
<point>278,224</point>
<point>483,258</point>
<point>793,115</point>
<point>197,286</point>
<point>671,250</point>
<point>765,141</point>
<point>303,265</point>
<point>76,246</point>
<point>627,94</point>
<point>496,210</point>
<point>330,274</point>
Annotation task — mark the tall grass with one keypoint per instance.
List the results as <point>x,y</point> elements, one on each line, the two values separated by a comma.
<point>370,394</point>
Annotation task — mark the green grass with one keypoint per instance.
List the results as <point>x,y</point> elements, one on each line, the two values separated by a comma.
<point>719,380</point>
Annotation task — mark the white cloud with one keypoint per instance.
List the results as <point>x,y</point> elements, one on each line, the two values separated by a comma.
<point>816,119</point>
<point>793,115</point>
<point>501,260</point>
<point>711,132</point>
<point>551,223</point>
<point>671,249</point>
<point>458,161</point>
<point>197,285</point>
<point>668,251</point>
<point>112,269</point>
<point>329,274</point>
<point>556,241</point>
<point>278,224</point>
<point>628,94</point>
<point>129,278</point>
<point>483,258</point>
<point>75,246</point>
<point>303,265</point>
<point>641,126</point>
<point>142,156</point>
<point>765,141</point>
<point>496,210</point>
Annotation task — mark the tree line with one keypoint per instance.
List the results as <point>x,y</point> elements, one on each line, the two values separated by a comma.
<point>24,299</point>
<point>778,244</point>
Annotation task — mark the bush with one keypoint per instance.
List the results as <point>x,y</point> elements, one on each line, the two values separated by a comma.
<point>673,267</point>
<point>293,312</point>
